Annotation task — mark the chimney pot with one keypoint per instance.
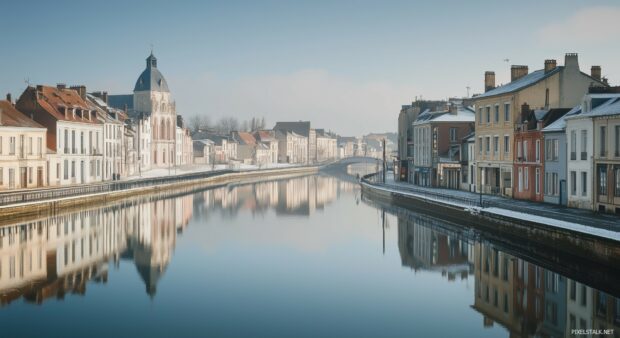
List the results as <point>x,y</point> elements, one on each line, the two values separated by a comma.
<point>489,81</point>
<point>8,97</point>
<point>517,72</point>
<point>571,61</point>
<point>595,72</point>
<point>550,65</point>
<point>61,86</point>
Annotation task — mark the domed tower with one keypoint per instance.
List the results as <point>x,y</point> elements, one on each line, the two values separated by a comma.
<point>152,96</point>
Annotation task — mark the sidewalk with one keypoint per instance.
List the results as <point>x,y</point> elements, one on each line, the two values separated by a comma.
<point>550,214</point>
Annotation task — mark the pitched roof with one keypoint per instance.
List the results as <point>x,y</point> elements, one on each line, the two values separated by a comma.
<point>523,82</point>
<point>11,117</point>
<point>264,135</point>
<point>560,123</point>
<point>121,101</point>
<point>301,127</point>
<point>55,100</point>
<point>245,138</point>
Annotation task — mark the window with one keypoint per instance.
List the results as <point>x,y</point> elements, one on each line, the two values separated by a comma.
<point>66,142</point>
<point>496,145</point>
<point>547,98</point>
<point>573,145</point>
<point>537,150</point>
<point>602,179</point>
<point>488,144</point>
<point>616,142</point>
<point>58,171</point>
<point>480,145</point>
<point>29,175</point>
<point>488,111</point>
<point>30,146</point>
<point>526,178</point>
<point>506,112</point>
<point>73,147</point>
<point>506,144</point>
<point>525,150</point>
<point>40,146</point>
<point>72,169</point>
<point>617,181</point>
<point>573,290</point>
<point>0,144</point>
<point>584,145</point>
<point>66,169</point>
<point>1,176</point>
<point>496,114</point>
<point>12,145</point>
<point>603,140</point>
<point>452,134</point>
<point>573,183</point>
<point>537,182</point>
<point>556,150</point>
<point>584,183</point>
<point>519,151</point>
<point>520,178</point>
<point>555,181</point>
<point>480,116</point>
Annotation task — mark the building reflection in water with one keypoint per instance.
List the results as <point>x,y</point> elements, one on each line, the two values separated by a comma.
<point>52,257</point>
<point>524,298</point>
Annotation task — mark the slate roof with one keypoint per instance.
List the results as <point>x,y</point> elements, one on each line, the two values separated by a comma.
<point>301,127</point>
<point>609,108</point>
<point>11,117</point>
<point>560,123</point>
<point>151,79</point>
<point>120,101</point>
<point>524,82</point>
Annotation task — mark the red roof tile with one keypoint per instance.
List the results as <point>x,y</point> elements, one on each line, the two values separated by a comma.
<point>11,117</point>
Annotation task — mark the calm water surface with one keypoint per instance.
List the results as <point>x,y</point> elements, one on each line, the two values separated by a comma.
<point>301,257</point>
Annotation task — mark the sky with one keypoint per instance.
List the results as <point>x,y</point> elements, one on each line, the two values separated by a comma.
<point>347,66</point>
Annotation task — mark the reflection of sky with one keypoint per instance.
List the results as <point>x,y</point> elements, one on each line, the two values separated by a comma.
<point>266,275</point>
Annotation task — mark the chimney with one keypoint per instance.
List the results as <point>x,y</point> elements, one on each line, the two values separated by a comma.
<point>8,97</point>
<point>453,109</point>
<point>61,86</point>
<point>571,61</point>
<point>517,72</point>
<point>550,65</point>
<point>525,111</point>
<point>81,90</point>
<point>595,72</point>
<point>489,81</point>
<point>105,97</point>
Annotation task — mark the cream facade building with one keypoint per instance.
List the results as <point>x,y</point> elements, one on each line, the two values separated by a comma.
<point>498,111</point>
<point>152,97</point>
<point>23,150</point>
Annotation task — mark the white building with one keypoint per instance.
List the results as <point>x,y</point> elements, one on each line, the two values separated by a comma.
<point>73,131</point>
<point>292,148</point>
<point>23,148</point>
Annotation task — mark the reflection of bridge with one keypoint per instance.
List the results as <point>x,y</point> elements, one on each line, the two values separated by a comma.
<point>339,168</point>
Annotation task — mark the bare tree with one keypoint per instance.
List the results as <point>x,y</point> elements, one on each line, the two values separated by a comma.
<point>198,123</point>
<point>227,124</point>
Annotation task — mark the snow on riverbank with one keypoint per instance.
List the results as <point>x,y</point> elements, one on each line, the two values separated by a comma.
<point>551,222</point>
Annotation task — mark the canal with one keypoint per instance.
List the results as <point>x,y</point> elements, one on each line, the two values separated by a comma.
<point>299,257</point>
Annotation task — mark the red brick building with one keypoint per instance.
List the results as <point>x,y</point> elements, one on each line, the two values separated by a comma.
<point>529,162</point>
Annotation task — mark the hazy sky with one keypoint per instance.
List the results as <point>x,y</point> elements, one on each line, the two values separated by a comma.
<point>345,65</point>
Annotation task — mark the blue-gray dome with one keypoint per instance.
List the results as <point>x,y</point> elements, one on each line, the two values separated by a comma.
<point>151,78</point>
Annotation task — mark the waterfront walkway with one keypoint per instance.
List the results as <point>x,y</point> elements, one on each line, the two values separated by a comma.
<point>536,211</point>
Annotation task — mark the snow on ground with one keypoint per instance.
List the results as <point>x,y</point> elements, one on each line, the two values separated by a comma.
<point>556,223</point>
<point>595,231</point>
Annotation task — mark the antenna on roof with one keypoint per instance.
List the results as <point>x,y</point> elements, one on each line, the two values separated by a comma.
<point>27,81</point>
<point>506,60</point>
<point>151,44</point>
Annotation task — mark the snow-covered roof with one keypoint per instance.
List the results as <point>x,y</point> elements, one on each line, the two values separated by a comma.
<point>462,115</point>
<point>560,124</point>
<point>610,107</point>
<point>526,81</point>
